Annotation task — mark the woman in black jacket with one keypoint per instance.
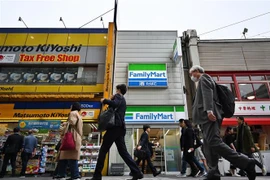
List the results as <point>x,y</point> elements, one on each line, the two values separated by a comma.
<point>117,135</point>
<point>188,139</point>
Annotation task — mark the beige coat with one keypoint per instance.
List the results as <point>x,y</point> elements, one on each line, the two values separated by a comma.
<point>76,124</point>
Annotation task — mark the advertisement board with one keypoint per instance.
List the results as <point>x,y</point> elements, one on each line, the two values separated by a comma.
<point>40,124</point>
<point>147,75</point>
<point>252,108</point>
<point>154,114</point>
<point>7,58</point>
<point>47,110</point>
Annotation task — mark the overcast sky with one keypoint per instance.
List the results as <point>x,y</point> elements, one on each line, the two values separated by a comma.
<point>180,15</point>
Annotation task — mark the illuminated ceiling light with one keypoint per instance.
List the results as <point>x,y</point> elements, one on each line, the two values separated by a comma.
<point>251,97</point>
<point>105,37</point>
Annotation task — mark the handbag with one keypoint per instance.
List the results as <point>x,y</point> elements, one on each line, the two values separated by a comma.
<point>197,141</point>
<point>67,142</point>
<point>140,154</point>
<point>106,118</point>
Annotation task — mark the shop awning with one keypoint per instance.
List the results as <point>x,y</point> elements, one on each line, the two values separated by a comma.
<point>249,120</point>
<point>48,96</point>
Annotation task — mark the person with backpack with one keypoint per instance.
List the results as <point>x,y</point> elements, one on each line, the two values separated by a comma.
<point>211,104</point>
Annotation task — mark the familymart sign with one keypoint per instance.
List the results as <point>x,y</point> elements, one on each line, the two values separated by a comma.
<point>147,75</point>
<point>154,114</point>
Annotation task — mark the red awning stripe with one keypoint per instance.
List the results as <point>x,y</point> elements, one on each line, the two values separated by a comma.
<point>250,121</point>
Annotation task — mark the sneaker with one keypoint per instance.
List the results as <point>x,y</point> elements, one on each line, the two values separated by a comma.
<point>235,175</point>
<point>22,177</point>
<point>181,175</point>
<point>264,170</point>
<point>202,174</point>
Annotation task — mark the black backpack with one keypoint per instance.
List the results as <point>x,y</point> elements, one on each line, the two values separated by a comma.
<point>226,99</point>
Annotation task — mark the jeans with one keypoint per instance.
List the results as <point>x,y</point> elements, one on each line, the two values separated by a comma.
<point>25,158</point>
<point>196,162</point>
<point>73,165</point>
<point>12,158</point>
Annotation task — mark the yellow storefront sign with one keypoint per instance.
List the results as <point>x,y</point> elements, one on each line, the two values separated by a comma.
<point>7,112</point>
<point>3,128</point>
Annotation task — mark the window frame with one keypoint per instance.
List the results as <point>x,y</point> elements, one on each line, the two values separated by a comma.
<point>236,83</point>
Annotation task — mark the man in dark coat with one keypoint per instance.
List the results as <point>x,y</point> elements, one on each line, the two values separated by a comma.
<point>13,145</point>
<point>144,145</point>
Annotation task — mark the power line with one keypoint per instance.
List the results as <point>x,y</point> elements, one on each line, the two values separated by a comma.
<point>235,23</point>
<point>260,34</point>
<point>97,17</point>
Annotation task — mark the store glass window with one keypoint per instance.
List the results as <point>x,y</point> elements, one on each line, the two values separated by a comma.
<point>225,78</point>
<point>261,91</point>
<point>215,78</point>
<point>246,91</point>
<point>231,86</point>
<point>258,78</point>
<point>242,78</point>
<point>267,77</point>
<point>48,75</point>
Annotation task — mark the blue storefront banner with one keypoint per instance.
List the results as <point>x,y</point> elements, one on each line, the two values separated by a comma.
<point>40,124</point>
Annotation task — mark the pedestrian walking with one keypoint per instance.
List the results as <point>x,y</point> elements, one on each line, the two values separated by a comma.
<point>116,135</point>
<point>229,140</point>
<point>207,112</point>
<point>144,145</point>
<point>245,143</point>
<point>70,157</point>
<point>13,145</point>
<point>196,163</point>
<point>29,151</point>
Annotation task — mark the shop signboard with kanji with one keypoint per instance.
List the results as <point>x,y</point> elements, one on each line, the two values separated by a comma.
<point>252,108</point>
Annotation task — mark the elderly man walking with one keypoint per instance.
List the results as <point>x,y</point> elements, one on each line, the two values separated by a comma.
<point>209,115</point>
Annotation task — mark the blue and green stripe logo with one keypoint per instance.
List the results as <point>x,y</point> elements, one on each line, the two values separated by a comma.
<point>154,113</point>
<point>147,75</point>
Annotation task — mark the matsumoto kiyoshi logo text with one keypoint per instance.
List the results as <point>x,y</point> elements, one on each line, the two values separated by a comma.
<point>40,115</point>
<point>41,48</point>
<point>144,74</point>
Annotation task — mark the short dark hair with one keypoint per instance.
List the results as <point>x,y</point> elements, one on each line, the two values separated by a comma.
<point>181,120</point>
<point>241,118</point>
<point>188,123</point>
<point>122,88</point>
<point>16,129</point>
<point>145,127</point>
<point>76,106</point>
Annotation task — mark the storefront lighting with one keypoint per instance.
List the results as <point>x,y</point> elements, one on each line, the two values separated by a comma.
<point>105,37</point>
<point>32,37</point>
<point>167,132</point>
<point>251,97</point>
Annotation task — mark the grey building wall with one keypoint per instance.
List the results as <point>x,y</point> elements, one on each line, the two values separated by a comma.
<point>234,55</point>
<point>148,47</point>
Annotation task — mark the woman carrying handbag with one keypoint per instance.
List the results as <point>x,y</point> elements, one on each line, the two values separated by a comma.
<point>74,128</point>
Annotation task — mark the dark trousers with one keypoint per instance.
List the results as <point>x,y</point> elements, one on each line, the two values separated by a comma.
<point>196,162</point>
<point>214,147</point>
<point>12,157</point>
<point>25,158</point>
<point>189,158</point>
<point>149,164</point>
<point>115,135</point>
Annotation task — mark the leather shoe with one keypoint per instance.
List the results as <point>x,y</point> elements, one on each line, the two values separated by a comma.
<point>250,170</point>
<point>156,173</point>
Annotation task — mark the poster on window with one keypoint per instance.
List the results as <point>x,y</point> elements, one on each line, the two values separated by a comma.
<point>43,75</point>
<point>70,75</point>
<point>16,75</point>
<point>169,155</point>
<point>57,75</point>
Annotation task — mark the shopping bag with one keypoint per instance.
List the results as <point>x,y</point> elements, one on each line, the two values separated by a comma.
<point>106,119</point>
<point>67,142</point>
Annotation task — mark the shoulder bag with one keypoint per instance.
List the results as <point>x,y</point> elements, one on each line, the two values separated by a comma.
<point>68,143</point>
<point>106,118</point>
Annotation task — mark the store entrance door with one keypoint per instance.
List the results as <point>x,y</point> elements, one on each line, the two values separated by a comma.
<point>166,149</point>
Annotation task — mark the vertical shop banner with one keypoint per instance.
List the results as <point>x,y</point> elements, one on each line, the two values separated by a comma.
<point>41,124</point>
<point>147,75</point>
<point>154,114</point>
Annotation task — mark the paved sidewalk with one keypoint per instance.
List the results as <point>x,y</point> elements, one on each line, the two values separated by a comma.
<point>149,177</point>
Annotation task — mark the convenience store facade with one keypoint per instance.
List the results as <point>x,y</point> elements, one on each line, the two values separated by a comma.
<point>43,71</point>
<point>144,60</point>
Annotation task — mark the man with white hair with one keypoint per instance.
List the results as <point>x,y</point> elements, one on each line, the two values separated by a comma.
<point>207,112</point>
